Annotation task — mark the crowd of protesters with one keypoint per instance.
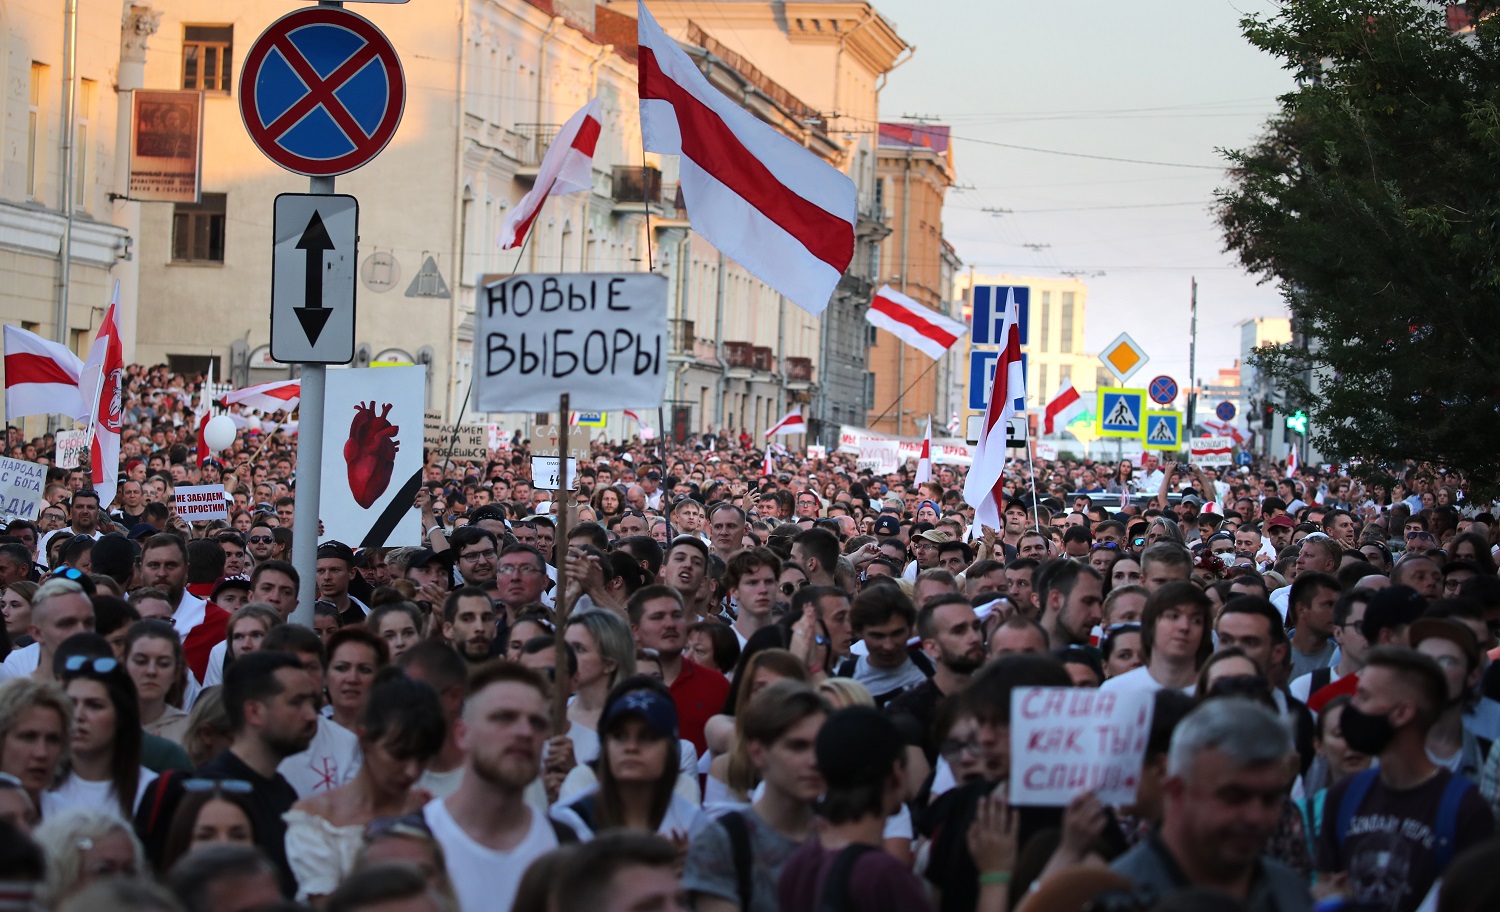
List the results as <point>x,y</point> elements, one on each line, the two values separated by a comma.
<point>783,691</point>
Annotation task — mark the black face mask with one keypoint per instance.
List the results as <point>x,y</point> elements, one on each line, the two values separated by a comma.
<point>1366,732</point>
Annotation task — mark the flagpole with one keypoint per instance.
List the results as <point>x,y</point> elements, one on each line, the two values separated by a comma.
<point>902,394</point>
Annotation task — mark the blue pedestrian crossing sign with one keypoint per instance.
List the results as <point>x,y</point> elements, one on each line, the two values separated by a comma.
<point>1163,431</point>
<point>1121,412</point>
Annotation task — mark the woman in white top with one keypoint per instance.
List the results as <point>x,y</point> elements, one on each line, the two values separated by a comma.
<point>154,661</point>
<point>401,729</point>
<point>637,768</point>
<point>104,767</point>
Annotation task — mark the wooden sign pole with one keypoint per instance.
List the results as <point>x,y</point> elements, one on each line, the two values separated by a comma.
<point>560,559</point>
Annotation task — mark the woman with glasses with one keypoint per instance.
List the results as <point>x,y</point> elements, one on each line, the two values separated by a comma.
<point>400,730</point>
<point>637,770</point>
<point>154,661</point>
<point>792,578</point>
<point>15,605</point>
<point>355,654</point>
<point>104,767</point>
<point>211,812</point>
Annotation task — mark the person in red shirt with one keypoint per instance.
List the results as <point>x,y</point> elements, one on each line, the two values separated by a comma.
<point>656,622</point>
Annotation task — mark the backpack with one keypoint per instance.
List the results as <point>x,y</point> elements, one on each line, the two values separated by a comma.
<point>835,896</point>
<point>1445,829</point>
<point>739,848</point>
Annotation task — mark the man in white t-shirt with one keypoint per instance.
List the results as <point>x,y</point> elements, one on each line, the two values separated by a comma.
<point>488,832</point>
<point>333,756</point>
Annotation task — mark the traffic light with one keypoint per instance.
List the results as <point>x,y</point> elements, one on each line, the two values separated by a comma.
<point>1267,415</point>
<point>1297,422</point>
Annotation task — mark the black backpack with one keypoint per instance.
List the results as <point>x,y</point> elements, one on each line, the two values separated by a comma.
<point>835,896</point>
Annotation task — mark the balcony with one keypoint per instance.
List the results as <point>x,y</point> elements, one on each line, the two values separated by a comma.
<point>636,189</point>
<point>739,355</point>
<point>761,358</point>
<point>799,370</point>
<point>535,140</point>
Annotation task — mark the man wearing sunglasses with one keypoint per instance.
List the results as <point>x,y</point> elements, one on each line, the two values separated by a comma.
<point>261,542</point>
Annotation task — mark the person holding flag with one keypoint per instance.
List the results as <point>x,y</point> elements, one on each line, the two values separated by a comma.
<point>102,379</point>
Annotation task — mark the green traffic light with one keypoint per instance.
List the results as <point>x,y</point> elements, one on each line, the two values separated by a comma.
<point>1297,422</point>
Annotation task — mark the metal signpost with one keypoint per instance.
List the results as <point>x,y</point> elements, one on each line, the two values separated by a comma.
<point>321,93</point>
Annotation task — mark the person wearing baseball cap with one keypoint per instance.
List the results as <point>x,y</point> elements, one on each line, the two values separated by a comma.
<point>335,570</point>
<point>887,526</point>
<point>860,754</point>
<point>1450,742</point>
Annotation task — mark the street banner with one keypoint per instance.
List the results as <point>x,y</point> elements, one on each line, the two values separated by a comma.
<point>72,449</point>
<point>372,456</point>
<point>196,503</point>
<point>879,456</point>
<point>1211,451</point>
<point>1065,741</point>
<point>472,445</point>
<point>21,486</point>
<point>166,146</point>
<point>599,337</point>
<point>944,452</point>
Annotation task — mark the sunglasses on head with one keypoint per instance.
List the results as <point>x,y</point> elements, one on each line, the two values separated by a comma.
<point>234,786</point>
<point>70,573</point>
<point>101,665</point>
<point>405,825</point>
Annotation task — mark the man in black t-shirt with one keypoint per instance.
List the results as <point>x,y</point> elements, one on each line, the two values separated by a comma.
<point>1388,833</point>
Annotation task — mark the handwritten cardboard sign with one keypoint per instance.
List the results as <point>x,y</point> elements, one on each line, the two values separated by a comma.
<point>1064,741</point>
<point>21,486</point>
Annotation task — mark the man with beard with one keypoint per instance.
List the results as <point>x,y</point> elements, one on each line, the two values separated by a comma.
<point>469,623</point>
<point>272,705</point>
<point>198,622</point>
<point>488,832</point>
<point>1388,833</point>
<point>261,542</point>
<point>953,638</point>
<point>656,623</point>
<point>1072,598</point>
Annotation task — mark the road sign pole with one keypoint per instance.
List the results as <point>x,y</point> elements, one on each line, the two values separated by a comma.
<point>309,469</point>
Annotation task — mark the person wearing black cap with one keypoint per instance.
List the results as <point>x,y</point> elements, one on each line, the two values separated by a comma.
<point>335,572</point>
<point>860,755</point>
<point>432,573</point>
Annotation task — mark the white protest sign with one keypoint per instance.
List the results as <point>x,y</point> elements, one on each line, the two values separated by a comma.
<point>196,503</point>
<point>372,456</point>
<point>1211,451</point>
<point>546,469</point>
<point>814,451</point>
<point>600,337</point>
<point>21,488</point>
<point>879,456</point>
<point>1046,451</point>
<point>72,449</point>
<point>1066,740</point>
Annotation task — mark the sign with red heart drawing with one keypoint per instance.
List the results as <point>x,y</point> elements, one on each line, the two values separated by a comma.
<point>372,456</point>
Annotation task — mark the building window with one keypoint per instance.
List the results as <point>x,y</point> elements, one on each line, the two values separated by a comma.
<point>869,391</point>
<point>1064,373</point>
<point>1044,393</point>
<point>198,230</point>
<point>207,51</point>
<point>35,130</point>
<point>1046,327</point>
<point>88,90</point>
<point>1065,323</point>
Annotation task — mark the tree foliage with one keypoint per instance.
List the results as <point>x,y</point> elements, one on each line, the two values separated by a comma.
<point>1373,200</point>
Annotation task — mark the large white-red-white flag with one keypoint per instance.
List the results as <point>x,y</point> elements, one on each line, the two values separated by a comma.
<point>924,457</point>
<point>921,327</point>
<point>277,396</point>
<point>103,381</point>
<point>769,204</point>
<point>204,412</point>
<point>41,377</point>
<point>984,486</point>
<point>790,423</point>
<point>568,167</point>
<point>1062,409</point>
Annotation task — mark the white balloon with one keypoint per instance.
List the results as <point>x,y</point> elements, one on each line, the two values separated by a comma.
<point>252,423</point>
<point>219,433</point>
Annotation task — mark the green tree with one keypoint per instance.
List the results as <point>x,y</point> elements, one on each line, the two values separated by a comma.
<point>1373,200</point>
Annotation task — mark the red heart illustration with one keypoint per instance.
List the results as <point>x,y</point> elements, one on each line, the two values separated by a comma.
<point>370,452</point>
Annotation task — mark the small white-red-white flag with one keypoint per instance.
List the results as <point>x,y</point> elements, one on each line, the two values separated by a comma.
<point>41,377</point>
<point>1292,463</point>
<point>105,369</point>
<point>923,328</point>
<point>1063,408</point>
<point>983,486</point>
<point>790,423</point>
<point>568,167</point>
<point>924,458</point>
<point>204,412</point>
<point>767,466</point>
<point>280,395</point>
<point>768,203</point>
<point>1225,429</point>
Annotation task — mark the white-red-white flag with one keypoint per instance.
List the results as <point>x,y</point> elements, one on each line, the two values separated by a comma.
<point>205,412</point>
<point>41,377</point>
<point>568,167</point>
<point>277,396</point>
<point>790,423</point>
<point>1225,429</point>
<point>767,466</point>
<point>1292,463</point>
<point>983,487</point>
<point>768,203</point>
<point>921,327</point>
<point>924,458</point>
<point>107,363</point>
<point>1062,409</point>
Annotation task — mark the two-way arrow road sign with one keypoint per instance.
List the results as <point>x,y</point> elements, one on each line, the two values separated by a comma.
<point>313,267</point>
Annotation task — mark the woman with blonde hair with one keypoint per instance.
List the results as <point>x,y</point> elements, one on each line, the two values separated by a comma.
<point>84,845</point>
<point>602,643</point>
<point>36,721</point>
